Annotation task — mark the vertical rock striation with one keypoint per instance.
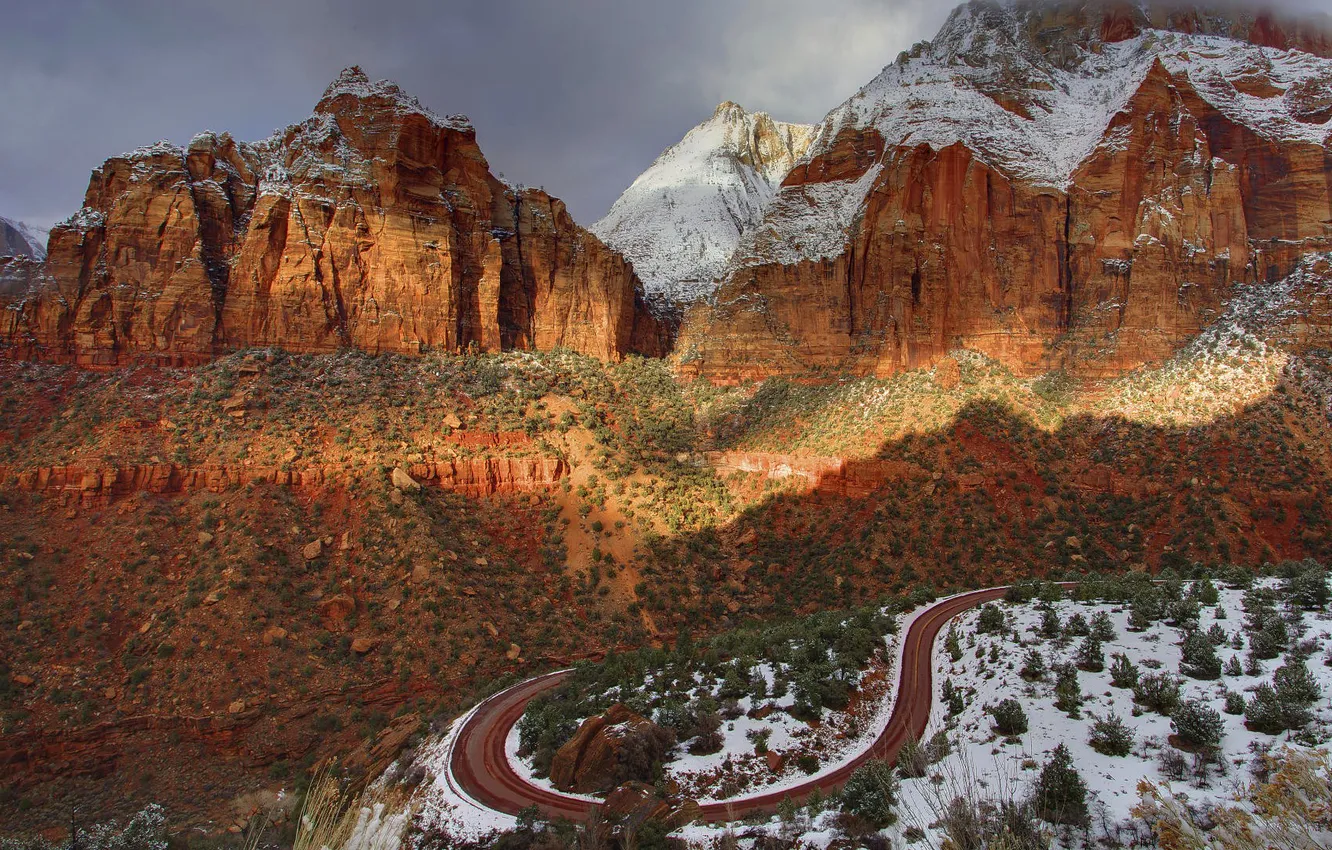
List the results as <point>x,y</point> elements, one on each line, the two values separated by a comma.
<point>373,224</point>
<point>1076,186</point>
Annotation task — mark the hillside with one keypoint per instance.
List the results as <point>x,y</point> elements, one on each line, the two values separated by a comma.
<point>566,507</point>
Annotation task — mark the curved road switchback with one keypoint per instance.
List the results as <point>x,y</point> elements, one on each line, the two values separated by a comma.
<point>479,767</point>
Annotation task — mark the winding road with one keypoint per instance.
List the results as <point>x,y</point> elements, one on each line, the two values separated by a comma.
<point>479,768</point>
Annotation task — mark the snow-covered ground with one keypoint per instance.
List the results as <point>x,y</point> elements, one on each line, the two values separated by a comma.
<point>737,771</point>
<point>985,765</point>
<point>1112,780</point>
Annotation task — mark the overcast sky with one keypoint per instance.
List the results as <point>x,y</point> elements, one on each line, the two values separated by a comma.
<point>578,96</point>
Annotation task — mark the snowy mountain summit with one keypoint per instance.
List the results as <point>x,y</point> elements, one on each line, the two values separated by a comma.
<point>19,239</point>
<point>681,220</point>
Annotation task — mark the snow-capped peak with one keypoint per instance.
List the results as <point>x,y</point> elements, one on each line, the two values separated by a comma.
<point>1030,89</point>
<point>681,219</point>
<point>19,239</point>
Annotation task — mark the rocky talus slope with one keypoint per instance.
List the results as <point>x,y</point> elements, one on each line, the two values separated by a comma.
<point>373,224</point>
<point>1075,186</point>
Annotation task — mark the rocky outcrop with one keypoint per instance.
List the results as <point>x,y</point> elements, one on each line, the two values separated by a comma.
<point>474,476</point>
<point>1080,186</point>
<point>833,475</point>
<point>609,750</point>
<point>374,224</point>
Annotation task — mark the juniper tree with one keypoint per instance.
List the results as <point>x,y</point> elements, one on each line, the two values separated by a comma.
<point>1101,627</point>
<point>1110,736</point>
<point>1090,656</point>
<point>1197,724</point>
<point>1123,672</point>
<point>871,793</point>
<point>1198,659</point>
<point>1061,794</point>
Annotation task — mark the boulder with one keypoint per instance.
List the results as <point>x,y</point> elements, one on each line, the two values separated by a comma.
<point>403,481</point>
<point>609,750</point>
<point>313,549</point>
<point>334,611</point>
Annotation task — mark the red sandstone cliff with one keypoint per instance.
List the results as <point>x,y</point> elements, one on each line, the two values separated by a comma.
<point>373,224</point>
<point>1078,186</point>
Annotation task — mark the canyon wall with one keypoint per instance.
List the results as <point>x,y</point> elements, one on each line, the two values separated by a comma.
<point>1056,187</point>
<point>374,224</point>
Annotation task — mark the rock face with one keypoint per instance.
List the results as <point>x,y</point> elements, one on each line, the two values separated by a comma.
<point>474,476</point>
<point>681,219</point>
<point>609,750</point>
<point>373,224</point>
<point>1078,186</point>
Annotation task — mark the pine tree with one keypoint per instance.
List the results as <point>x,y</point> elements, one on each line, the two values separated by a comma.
<point>871,793</point>
<point>1090,656</point>
<point>952,644</point>
<point>1009,718</point>
<point>1207,593</point>
<point>1233,667</point>
<point>992,620</point>
<point>1067,690</point>
<point>1061,793</point>
<point>1033,665</point>
<point>1198,658</point>
<point>1101,627</point>
<point>1308,589</point>
<point>1197,724</point>
<point>1157,692</point>
<point>1123,672</point>
<point>1295,684</point>
<point>1110,736</point>
<point>1050,625</point>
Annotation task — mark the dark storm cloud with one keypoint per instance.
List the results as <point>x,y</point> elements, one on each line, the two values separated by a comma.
<point>575,95</point>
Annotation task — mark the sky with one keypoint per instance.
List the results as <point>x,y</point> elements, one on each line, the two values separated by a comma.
<point>578,96</point>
